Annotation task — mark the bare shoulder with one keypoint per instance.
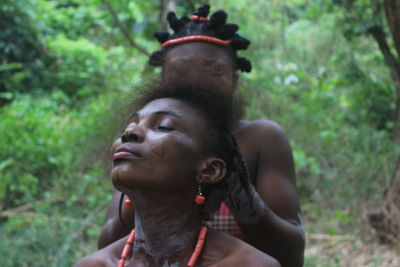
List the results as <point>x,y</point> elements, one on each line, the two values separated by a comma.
<point>266,129</point>
<point>265,142</point>
<point>91,260</point>
<point>249,256</point>
<point>270,161</point>
<point>107,256</point>
<point>225,250</point>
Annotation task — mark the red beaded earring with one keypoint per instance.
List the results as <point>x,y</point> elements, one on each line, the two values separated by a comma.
<point>128,202</point>
<point>199,199</point>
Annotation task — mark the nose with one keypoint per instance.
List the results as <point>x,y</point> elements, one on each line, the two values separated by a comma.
<point>132,133</point>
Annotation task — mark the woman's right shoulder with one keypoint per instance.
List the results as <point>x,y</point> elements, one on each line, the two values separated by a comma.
<point>107,256</point>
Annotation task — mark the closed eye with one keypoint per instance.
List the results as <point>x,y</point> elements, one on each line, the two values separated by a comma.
<point>164,128</point>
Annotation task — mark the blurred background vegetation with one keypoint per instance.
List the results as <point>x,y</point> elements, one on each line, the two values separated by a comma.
<point>64,64</point>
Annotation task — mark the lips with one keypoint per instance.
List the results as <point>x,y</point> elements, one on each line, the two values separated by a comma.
<point>127,152</point>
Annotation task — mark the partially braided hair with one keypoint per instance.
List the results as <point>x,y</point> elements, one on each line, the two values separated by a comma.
<point>200,25</point>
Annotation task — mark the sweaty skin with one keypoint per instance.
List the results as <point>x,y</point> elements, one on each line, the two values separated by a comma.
<point>266,151</point>
<point>167,220</point>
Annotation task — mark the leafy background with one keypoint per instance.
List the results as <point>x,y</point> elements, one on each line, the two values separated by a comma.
<point>66,66</point>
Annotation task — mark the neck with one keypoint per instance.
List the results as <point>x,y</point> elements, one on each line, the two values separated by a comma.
<point>167,226</point>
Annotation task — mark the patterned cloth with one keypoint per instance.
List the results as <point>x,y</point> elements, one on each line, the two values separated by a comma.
<point>223,221</point>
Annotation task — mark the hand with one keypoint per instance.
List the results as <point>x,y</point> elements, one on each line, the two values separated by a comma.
<point>246,205</point>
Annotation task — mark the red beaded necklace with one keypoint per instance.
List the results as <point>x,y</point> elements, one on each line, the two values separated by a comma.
<point>192,261</point>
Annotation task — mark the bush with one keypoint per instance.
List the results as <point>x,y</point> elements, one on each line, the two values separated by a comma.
<point>78,68</point>
<point>49,166</point>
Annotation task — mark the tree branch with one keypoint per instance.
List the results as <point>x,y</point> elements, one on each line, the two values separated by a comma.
<point>394,66</point>
<point>390,59</point>
<point>123,29</point>
<point>392,11</point>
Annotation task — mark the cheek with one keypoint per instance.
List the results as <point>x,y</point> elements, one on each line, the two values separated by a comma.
<point>172,146</point>
<point>114,146</point>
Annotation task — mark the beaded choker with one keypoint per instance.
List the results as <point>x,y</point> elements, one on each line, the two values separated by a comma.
<point>192,261</point>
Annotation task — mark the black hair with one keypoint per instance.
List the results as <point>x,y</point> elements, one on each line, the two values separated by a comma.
<point>221,113</point>
<point>215,27</point>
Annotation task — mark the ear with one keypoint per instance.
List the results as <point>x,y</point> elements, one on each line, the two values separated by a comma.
<point>211,170</point>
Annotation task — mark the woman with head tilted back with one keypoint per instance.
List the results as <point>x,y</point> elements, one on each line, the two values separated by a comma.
<point>203,51</point>
<point>173,160</point>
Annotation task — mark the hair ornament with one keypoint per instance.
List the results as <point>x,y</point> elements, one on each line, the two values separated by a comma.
<point>200,19</point>
<point>196,38</point>
<point>200,28</point>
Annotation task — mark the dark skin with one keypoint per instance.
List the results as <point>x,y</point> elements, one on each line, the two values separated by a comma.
<point>167,133</point>
<point>265,149</point>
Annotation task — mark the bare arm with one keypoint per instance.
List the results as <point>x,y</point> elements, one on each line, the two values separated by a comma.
<point>278,231</point>
<point>113,228</point>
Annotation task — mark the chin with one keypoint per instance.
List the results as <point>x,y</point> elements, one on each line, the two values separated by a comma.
<point>121,179</point>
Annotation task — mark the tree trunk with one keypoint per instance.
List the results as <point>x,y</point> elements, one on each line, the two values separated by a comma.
<point>386,219</point>
<point>165,7</point>
<point>392,12</point>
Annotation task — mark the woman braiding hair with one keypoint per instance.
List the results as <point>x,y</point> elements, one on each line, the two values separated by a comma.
<point>203,50</point>
<point>173,160</point>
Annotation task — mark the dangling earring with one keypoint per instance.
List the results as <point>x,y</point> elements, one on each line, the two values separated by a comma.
<point>199,199</point>
<point>128,202</point>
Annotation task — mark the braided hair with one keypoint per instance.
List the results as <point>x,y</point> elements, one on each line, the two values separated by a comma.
<point>200,28</point>
<point>221,114</point>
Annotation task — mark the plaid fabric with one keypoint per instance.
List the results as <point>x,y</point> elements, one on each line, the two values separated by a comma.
<point>223,221</point>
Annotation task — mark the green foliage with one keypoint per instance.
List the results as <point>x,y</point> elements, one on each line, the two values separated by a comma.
<point>31,146</point>
<point>77,67</point>
<point>65,62</point>
<point>46,164</point>
<point>19,37</point>
<point>20,45</point>
<point>334,98</point>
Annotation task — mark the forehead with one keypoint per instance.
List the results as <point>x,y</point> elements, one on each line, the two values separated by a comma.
<point>178,107</point>
<point>198,52</point>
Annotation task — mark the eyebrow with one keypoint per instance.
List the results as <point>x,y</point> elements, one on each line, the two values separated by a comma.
<point>134,114</point>
<point>167,113</point>
<point>161,112</point>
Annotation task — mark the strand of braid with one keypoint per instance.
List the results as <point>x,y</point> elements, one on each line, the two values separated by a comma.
<point>242,199</point>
